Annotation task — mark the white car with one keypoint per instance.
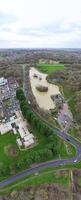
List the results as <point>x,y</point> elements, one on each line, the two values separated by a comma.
<point>75,160</point>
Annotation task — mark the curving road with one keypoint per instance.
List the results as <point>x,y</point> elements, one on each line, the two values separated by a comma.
<point>46,165</point>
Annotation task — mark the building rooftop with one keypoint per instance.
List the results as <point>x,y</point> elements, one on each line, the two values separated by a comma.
<point>19,142</point>
<point>26,137</point>
<point>3,81</point>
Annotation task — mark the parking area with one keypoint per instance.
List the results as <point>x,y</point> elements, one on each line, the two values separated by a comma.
<point>8,99</point>
<point>65,117</point>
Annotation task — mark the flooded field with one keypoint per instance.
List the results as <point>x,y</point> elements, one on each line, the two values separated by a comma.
<point>43,98</point>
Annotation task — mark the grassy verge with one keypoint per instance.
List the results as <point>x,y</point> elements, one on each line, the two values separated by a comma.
<point>73,133</point>
<point>66,150</point>
<point>71,104</point>
<point>47,176</point>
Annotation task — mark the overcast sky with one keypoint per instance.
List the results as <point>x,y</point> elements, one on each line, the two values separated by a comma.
<point>40,23</point>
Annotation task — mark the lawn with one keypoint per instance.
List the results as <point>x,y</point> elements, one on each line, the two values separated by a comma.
<point>47,177</point>
<point>50,178</point>
<point>49,68</point>
<point>66,150</point>
<point>7,141</point>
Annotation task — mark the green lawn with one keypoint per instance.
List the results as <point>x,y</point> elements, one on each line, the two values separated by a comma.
<point>6,140</point>
<point>48,177</point>
<point>71,104</point>
<point>49,68</point>
<point>72,132</point>
<point>66,150</point>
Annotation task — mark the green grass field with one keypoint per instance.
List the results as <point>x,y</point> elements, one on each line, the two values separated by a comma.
<point>5,140</point>
<point>49,177</point>
<point>49,68</point>
<point>66,150</point>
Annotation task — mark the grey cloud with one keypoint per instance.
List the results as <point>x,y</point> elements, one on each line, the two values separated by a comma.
<point>50,29</point>
<point>47,30</point>
<point>40,33</point>
<point>6,29</point>
<point>31,31</point>
<point>7,18</point>
<point>59,28</point>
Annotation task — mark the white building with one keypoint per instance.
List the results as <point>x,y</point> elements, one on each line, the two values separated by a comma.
<point>19,142</point>
<point>3,81</point>
<point>26,138</point>
<point>28,143</point>
<point>5,128</point>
